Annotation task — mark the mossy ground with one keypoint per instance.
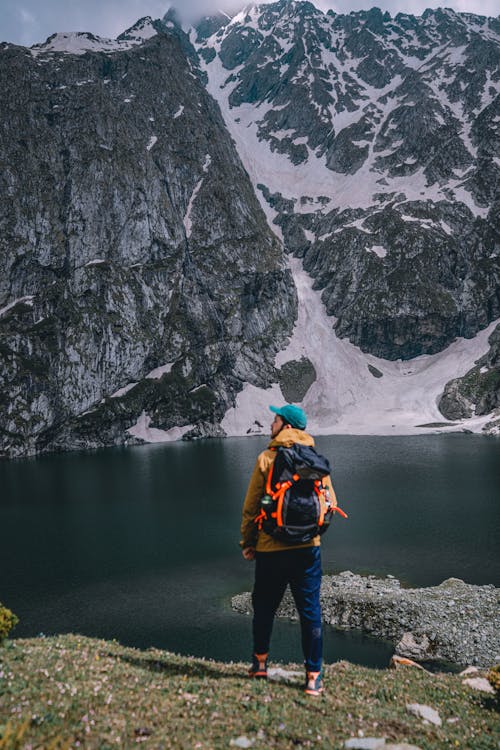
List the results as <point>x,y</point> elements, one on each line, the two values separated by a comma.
<point>71,691</point>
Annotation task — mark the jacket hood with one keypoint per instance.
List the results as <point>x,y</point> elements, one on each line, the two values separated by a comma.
<point>289,436</point>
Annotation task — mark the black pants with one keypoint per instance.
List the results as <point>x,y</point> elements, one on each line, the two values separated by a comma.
<point>301,568</point>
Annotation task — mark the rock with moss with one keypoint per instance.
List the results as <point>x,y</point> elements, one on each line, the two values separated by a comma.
<point>295,379</point>
<point>494,677</point>
<point>478,392</point>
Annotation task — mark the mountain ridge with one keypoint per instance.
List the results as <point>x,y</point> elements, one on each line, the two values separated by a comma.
<point>402,248</point>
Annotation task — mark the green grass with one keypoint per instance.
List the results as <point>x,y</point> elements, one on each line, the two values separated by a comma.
<point>72,691</point>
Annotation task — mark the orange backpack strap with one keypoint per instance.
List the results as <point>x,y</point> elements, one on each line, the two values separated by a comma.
<point>280,496</point>
<point>320,491</point>
<point>269,490</point>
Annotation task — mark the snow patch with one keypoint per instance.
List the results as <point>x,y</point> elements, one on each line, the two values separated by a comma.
<point>378,250</point>
<point>179,112</point>
<point>28,300</point>
<point>142,31</point>
<point>143,431</point>
<point>152,142</point>
<point>158,372</point>
<point>251,415</point>
<point>188,224</point>
<point>345,397</point>
<point>122,391</point>
<point>78,43</point>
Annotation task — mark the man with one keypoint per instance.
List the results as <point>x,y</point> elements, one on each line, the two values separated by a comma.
<point>278,564</point>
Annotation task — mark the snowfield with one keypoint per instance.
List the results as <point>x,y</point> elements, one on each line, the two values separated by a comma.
<point>346,398</point>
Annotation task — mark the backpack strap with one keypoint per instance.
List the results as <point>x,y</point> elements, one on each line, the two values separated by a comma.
<point>278,495</point>
<point>260,518</point>
<point>319,489</point>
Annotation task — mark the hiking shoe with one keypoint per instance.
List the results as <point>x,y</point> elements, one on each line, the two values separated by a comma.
<point>259,666</point>
<point>314,683</point>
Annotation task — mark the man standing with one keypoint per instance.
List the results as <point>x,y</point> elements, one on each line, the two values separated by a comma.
<point>278,564</point>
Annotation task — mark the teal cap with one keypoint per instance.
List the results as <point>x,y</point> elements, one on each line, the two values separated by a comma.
<point>293,415</point>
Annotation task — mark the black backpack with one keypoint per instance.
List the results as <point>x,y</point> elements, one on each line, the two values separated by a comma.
<point>297,505</point>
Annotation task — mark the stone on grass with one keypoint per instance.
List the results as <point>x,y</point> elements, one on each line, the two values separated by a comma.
<point>469,670</point>
<point>278,674</point>
<point>424,712</point>
<point>479,683</point>
<point>241,742</point>
<point>365,743</point>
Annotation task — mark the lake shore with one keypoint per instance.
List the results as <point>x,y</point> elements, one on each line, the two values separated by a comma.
<point>454,622</point>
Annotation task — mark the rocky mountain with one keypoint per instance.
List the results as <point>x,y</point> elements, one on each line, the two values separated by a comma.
<point>390,129</point>
<point>374,145</point>
<point>141,283</point>
<point>154,184</point>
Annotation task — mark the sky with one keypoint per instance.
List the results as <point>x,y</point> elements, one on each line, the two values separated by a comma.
<point>27,22</point>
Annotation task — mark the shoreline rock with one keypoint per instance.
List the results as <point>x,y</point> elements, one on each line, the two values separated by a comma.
<point>454,622</point>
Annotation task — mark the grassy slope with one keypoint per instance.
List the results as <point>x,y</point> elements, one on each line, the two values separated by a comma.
<point>72,691</point>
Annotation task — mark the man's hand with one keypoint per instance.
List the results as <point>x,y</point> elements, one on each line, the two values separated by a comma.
<point>248,553</point>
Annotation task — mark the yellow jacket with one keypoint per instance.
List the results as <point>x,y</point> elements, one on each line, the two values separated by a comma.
<point>250,535</point>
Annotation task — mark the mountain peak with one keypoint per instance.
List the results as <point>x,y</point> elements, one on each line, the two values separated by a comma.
<point>74,42</point>
<point>143,29</point>
<point>80,42</point>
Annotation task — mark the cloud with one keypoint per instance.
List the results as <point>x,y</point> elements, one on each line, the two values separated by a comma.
<point>194,9</point>
<point>414,7</point>
<point>26,16</point>
<point>33,21</point>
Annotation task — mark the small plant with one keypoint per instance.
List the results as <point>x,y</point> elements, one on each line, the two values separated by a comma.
<point>494,677</point>
<point>8,620</point>
<point>12,737</point>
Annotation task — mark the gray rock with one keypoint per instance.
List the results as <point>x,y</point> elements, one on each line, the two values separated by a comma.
<point>134,237</point>
<point>424,712</point>
<point>278,674</point>
<point>418,621</point>
<point>242,741</point>
<point>414,647</point>
<point>295,378</point>
<point>478,391</point>
<point>479,683</point>
<point>365,743</point>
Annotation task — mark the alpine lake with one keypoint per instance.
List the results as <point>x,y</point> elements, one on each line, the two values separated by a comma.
<point>141,544</point>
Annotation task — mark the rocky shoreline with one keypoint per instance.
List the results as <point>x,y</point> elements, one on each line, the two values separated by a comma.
<point>454,622</point>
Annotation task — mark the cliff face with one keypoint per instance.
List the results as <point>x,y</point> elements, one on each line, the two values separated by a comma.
<point>140,280</point>
<point>478,392</point>
<point>375,142</point>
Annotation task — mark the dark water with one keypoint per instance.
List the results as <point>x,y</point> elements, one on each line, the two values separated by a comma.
<point>141,544</point>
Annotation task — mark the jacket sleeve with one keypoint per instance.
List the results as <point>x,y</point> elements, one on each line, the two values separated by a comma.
<point>251,506</point>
